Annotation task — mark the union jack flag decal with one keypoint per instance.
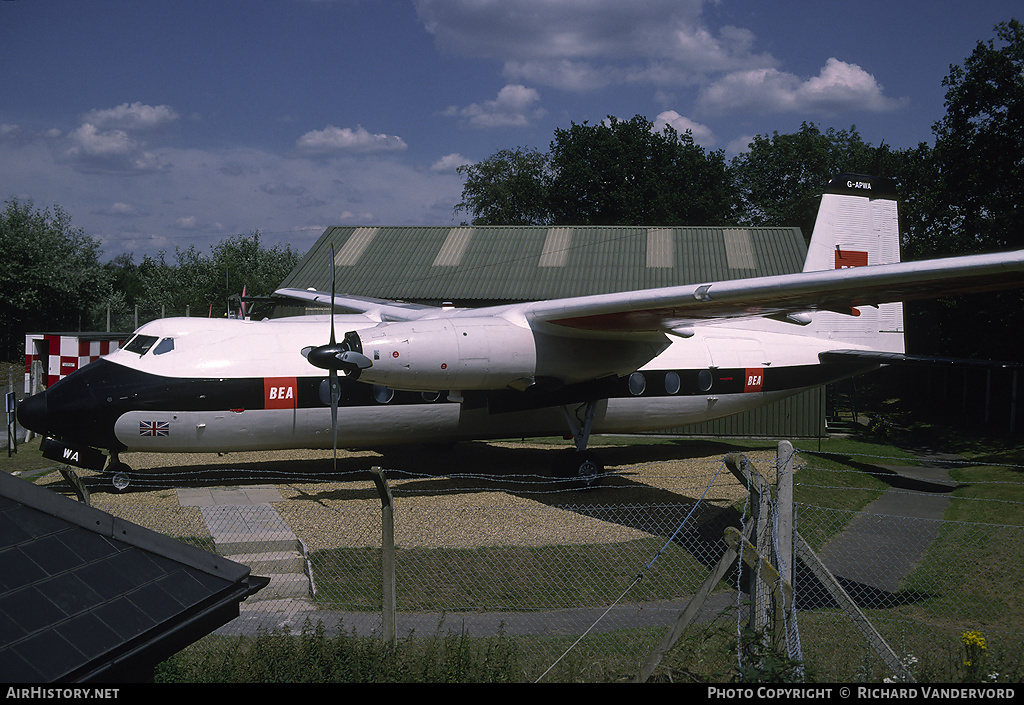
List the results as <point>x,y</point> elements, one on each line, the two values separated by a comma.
<point>154,428</point>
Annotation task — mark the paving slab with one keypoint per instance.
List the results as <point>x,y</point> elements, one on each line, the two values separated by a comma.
<point>212,496</point>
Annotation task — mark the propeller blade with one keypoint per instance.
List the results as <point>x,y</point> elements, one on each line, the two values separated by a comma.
<point>346,357</point>
<point>332,294</point>
<point>333,373</point>
<point>335,394</point>
<point>352,362</point>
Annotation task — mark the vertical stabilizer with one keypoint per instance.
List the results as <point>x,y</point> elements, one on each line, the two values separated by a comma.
<point>858,226</point>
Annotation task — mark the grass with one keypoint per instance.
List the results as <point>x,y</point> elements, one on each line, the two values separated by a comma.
<point>314,656</point>
<point>26,460</point>
<point>509,578</point>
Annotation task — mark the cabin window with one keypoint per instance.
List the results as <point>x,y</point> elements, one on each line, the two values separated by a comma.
<point>140,344</point>
<point>672,384</point>
<point>164,346</point>
<point>637,384</point>
<point>704,380</point>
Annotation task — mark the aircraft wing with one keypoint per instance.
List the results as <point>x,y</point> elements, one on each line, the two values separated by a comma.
<point>677,307</point>
<point>376,309</point>
<point>840,290</point>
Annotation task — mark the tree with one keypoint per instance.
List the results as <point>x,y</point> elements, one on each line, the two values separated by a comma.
<point>203,282</point>
<point>973,201</point>
<point>979,145</point>
<point>50,275</point>
<point>508,188</point>
<point>625,173</point>
<point>780,178</point>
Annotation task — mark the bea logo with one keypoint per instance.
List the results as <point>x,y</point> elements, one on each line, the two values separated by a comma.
<point>754,379</point>
<point>279,393</point>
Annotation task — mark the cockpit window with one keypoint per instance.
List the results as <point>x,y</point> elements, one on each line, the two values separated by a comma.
<point>164,346</point>
<point>140,344</point>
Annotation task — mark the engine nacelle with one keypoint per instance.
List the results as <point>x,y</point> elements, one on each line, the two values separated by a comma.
<point>454,353</point>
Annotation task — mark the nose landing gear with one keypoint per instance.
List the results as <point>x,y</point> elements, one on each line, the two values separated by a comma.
<point>119,474</point>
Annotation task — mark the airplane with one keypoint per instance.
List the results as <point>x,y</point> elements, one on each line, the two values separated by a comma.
<point>606,363</point>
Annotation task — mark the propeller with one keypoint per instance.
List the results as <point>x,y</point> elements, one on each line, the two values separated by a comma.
<point>346,356</point>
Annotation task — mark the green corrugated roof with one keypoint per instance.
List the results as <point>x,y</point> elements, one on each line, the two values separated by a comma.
<point>516,263</point>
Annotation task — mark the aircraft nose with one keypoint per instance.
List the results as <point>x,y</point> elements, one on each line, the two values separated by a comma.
<point>32,413</point>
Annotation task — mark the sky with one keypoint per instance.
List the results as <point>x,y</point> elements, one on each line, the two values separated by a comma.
<point>165,125</point>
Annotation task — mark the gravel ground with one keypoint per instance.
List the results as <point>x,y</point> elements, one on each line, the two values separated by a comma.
<point>475,494</point>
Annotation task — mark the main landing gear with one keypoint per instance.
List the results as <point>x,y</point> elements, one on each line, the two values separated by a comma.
<point>580,466</point>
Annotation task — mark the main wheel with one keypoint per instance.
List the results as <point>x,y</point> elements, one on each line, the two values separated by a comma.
<point>582,469</point>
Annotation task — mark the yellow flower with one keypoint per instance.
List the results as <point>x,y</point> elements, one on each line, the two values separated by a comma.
<point>973,639</point>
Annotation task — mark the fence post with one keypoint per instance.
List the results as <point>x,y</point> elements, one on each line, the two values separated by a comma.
<point>785,510</point>
<point>388,606</point>
<point>760,502</point>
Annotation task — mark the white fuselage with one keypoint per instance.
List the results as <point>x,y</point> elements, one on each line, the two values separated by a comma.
<point>721,370</point>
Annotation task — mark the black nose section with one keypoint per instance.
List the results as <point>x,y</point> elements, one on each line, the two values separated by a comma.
<point>32,413</point>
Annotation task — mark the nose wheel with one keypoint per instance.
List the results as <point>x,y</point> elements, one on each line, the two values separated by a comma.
<point>119,474</point>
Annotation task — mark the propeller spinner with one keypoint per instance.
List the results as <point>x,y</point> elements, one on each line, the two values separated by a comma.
<point>346,356</point>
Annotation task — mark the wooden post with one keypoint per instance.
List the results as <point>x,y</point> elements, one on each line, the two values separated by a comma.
<point>760,496</point>
<point>785,510</point>
<point>780,590</point>
<point>72,478</point>
<point>388,605</point>
<point>846,603</point>
<point>1013,402</point>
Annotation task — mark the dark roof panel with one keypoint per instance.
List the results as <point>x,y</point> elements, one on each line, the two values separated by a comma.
<point>85,595</point>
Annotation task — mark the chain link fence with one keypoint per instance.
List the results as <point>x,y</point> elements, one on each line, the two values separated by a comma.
<point>583,581</point>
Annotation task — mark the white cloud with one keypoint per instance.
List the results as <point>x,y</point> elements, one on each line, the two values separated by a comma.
<point>113,140</point>
<point>536,29</point>
<point>276,188</point>
<point>449,163</point>
<point>113,151</point>
<point>336,140</point>
<point>194,224</point>
<point>120,210</point>
<point>514,107</point>
<point>702,134</point>
<point>839,86</point>
<point>739,145</point>
<point>577,76</point>
<point>132,117</point>
<point>583,45</point>
<point>209,194</point>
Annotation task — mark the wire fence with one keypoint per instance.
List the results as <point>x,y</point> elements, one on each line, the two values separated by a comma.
<point>586,581</point>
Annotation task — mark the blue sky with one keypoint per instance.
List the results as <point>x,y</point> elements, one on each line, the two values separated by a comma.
<point>159,125</point>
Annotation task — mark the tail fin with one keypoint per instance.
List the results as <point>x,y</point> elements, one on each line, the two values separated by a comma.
<point>858,225</point>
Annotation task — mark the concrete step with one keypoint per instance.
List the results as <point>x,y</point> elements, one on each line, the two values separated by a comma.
<point>273,562</point>
<point>266,542</point>
<point>283,585</point>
